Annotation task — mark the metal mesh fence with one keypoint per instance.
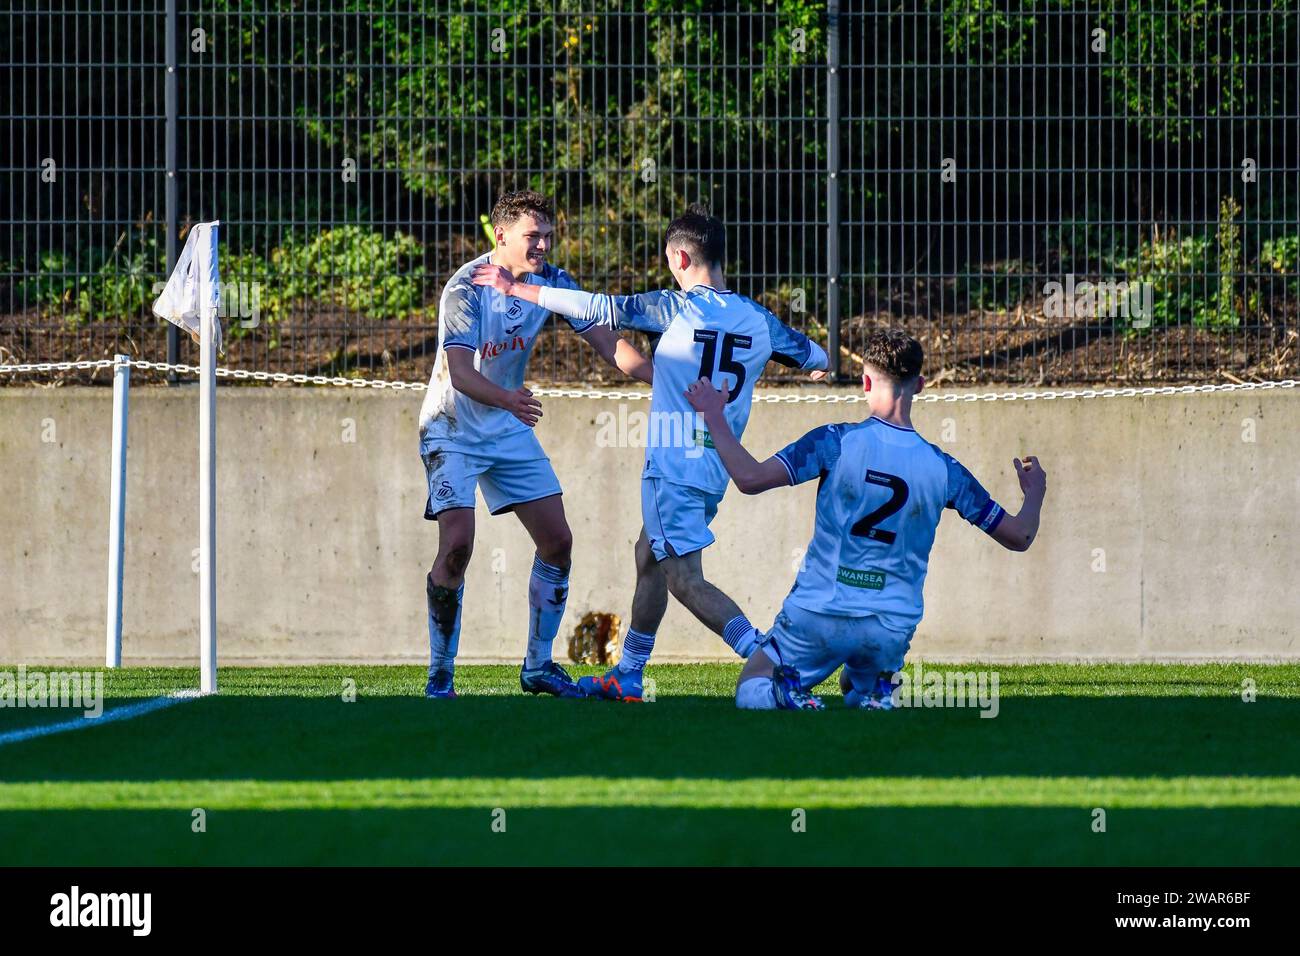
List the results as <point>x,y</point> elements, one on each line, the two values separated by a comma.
<point>1048,192</point>
<point>1044,192</point>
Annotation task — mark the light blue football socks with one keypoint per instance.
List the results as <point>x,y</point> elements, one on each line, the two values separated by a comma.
<point>741,636</point>
<point>636,651</point>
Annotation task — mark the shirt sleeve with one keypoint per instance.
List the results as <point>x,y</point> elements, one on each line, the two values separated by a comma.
<point>813,455</point>
<point>790,347</point>
<point>968,498</point>
<point>557,278</point>
<point>649,312</point>
<point>459,316</point>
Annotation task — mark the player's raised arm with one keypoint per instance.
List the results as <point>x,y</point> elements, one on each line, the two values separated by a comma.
<point>750,475</point>
<point>1017,532</point>
<point>600,312</point>
<point>968,498</point>
<point>571,303</point>
<point>646,311</point>
<point>793,349</point>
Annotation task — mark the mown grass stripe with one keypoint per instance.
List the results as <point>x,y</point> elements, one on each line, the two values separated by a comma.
<point>750,793</point>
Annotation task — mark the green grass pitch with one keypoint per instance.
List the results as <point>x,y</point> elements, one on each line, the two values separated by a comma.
<point>288,772</point>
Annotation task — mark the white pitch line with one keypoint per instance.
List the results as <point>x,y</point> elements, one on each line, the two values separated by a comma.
<point>108,717</point>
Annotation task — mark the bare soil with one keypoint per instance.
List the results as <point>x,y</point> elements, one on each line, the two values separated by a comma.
<point>1019,348</point>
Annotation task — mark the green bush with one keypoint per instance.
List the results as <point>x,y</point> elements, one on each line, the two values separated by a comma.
<point>1194,279</point>
<point>1177,270</point>
<point>97,283</point>
<point>351,267</point>
<point>1282,255</point>
<point>51,283</point>
<point>355,268</point>
<point>584,134</point>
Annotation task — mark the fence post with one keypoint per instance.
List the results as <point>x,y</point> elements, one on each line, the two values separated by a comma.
<point>172,108</point>
<point>833,187</point>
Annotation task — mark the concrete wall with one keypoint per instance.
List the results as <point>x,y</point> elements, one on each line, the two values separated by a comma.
<point>323,550</point>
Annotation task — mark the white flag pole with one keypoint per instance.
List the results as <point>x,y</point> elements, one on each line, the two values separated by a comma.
<point>117,510</point>
<point>191,299</point>
<point>208,483</point>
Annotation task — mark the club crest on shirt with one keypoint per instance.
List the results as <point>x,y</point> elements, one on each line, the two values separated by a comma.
<point>508,304</point>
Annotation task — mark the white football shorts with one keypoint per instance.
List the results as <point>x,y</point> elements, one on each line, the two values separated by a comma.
<point>818,644</point>
<point>510,473</point>
<point>676,517</point>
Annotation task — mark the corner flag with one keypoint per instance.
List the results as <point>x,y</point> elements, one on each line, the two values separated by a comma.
<point>194,284</point>
<point>191,299</point>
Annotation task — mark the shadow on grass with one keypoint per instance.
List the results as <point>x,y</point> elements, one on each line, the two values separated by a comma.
<point>295,738</point>
<point>644,836</point>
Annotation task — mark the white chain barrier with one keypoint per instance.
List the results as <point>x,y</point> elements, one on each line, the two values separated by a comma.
<point>240,374</point>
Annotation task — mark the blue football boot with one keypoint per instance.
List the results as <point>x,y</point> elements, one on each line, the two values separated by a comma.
<point>614,685</point>
<point>880,697</point>
<point>789,695</point>
<point>440,685</point>
<point>550,678</point>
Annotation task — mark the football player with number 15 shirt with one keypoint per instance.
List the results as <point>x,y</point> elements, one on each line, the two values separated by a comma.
<point>702,328</point>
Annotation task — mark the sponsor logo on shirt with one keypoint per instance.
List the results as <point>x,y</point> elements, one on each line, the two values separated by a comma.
<point>492,349</point>
<point>870,578</point>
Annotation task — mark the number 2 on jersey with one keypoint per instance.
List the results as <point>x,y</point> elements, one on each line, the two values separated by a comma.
<point>730,342</point>
<point>865,527</point>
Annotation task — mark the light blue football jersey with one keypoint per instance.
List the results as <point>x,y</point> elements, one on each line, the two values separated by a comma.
<point>703,333</point>
<point>500,330</point>
<point>882,491</point>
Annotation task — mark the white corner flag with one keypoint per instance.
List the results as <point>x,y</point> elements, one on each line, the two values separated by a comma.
<point>191,299</point>
<point>194,284</point>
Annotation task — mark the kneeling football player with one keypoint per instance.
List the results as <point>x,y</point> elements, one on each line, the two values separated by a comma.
<point>857,598</point>
<point>476,430</point>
